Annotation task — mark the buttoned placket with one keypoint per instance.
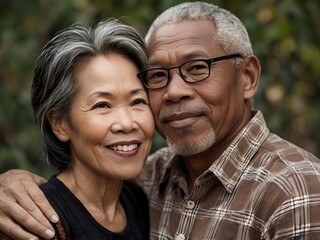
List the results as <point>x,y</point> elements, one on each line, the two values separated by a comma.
<point>191,205</point>
<point>188,216</point>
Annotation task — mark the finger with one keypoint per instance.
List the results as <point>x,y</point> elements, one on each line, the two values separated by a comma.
<point>41,201</point>
<point>19,190</point>
<point>27,209</point>
<point>23,187</point>
<point>43,204</point>
<point>38,179</point>
<point>13,230</point>
<point>29,223</point>
<point>21,208</point>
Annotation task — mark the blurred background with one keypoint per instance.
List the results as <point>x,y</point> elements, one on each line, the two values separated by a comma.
<point>285,36</point>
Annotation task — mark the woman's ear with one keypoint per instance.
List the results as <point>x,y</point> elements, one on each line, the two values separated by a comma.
<point>251,70</point>
<point>59,126</point>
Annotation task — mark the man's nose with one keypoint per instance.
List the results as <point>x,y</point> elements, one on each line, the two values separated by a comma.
<point>177,89</point>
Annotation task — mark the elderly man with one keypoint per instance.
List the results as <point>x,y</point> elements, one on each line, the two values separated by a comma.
<point>223,175</point>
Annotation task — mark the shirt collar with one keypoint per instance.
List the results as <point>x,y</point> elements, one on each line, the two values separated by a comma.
<point>229,167</point>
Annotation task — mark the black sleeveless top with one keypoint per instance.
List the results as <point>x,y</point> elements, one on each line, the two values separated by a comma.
<point>79,224</point>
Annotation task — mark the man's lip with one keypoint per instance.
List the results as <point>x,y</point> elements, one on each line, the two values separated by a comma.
<point>179,116</point>
<point>181,120</point>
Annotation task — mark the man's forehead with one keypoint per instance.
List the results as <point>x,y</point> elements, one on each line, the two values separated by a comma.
<point>182,41</point>
<point>184,33</point>
<point>180,56</point>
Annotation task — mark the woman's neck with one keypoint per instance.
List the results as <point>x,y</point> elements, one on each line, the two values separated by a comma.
<point>100,196</point>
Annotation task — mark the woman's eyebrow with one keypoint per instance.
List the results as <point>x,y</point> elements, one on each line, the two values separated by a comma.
<point>110,95</point>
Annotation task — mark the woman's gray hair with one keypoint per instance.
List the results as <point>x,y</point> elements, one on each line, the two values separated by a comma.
<point>231,35</point>
<point>54,84</point>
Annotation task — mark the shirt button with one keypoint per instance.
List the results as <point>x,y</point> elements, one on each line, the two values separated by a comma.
<point>179,236</point>
<point>190,204</point>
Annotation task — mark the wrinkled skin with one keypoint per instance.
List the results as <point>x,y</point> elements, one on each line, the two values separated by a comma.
<point>223,100</point>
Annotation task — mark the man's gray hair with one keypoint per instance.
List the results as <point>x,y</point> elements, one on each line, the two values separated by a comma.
<point>231,35</point>
<point>55,78</point>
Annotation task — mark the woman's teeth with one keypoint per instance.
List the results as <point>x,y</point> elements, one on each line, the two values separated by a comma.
<point>124,148</point>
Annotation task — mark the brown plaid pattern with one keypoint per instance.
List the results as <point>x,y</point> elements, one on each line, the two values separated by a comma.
<point>261,187</point>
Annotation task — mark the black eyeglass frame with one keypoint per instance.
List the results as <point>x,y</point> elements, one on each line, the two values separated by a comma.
<point>208,61</point>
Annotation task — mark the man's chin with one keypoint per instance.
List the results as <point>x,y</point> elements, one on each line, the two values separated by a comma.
<point>190,147</point>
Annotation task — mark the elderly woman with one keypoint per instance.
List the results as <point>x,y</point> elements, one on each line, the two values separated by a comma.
<point>96,129</point>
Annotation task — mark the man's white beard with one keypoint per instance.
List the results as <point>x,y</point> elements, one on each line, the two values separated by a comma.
<point>189,147</point>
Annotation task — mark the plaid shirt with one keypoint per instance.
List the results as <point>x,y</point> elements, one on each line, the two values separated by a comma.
<point>261,187</point>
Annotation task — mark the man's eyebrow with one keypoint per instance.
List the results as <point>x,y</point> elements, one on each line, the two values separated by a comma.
<point>196,54</point>
<point>186,57</point>
<point>153,62</point>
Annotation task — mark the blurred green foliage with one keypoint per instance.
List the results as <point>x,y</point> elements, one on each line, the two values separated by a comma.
<point>285,36</point>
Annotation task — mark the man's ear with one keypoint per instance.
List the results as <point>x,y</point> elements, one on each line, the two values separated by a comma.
<point>59,126</point>
<point>251,70</point>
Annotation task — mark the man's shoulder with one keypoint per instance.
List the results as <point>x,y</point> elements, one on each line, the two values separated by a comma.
<point>287,152</point>
<point>286,164</point>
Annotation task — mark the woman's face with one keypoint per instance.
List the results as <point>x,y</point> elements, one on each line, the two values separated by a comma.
<point>111,125</point>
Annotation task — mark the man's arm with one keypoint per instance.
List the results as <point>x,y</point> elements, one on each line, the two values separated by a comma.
<point>22,202</point>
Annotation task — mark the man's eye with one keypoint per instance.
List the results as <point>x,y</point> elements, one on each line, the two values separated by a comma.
<point>157,74</point>
<point>197,67</point>
<point>197,70</point>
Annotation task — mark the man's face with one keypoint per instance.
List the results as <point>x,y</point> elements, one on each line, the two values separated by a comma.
<point>195,117</point>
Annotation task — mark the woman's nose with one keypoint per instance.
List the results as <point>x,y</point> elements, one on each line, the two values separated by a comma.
<point>124,121</point>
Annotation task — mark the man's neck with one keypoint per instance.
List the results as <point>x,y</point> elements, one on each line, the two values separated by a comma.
<point>199,163</point>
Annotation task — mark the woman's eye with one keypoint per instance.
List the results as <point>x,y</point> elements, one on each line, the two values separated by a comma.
<point>139,101</point>
<point>101,105</point>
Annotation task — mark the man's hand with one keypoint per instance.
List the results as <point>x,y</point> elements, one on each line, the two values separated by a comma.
<point>23,203</point>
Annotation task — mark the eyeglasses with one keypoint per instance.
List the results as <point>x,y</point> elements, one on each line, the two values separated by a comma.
<point>191,72</point>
